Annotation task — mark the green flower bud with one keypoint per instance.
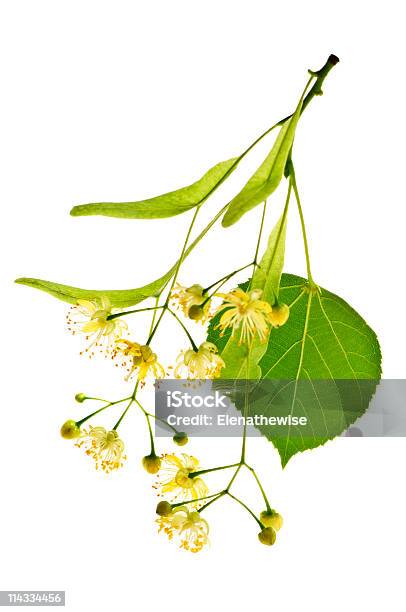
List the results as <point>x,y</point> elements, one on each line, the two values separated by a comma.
<point>70,430</point>
<point>80,397</point>
<point>195,312</point>
<point>164,508</point>
<point>180,438</point>
<point>271,519</point>
<point>151,463</point>
<point>267,536</point>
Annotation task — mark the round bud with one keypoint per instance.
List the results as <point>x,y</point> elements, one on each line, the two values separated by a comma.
<point>164,508</point>
<point>151,464</point>
<point>180,438</point>
<point>267,536</point>
<point>279,315</point>
<point>271,519</point>
<point>70,430</point>
<point>80,397</point>
<point>195,312</point>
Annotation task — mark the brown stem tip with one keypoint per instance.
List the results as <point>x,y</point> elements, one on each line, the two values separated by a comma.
<point>333,59</point>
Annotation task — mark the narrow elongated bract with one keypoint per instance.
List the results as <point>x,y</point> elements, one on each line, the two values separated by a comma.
<point>266,278</point>
<point>268,176</point>
<point>166,205</point>
<point>119,298</point>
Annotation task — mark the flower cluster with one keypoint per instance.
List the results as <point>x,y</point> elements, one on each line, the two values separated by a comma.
<point>184,493</point>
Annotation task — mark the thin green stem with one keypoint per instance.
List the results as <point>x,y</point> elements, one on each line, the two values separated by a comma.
<point>223,282</point>
<point>227,277</point>
<point>96,399</point>
<point>193,501</point>
<point>153,332</point>
<point>261,227</point>
<point>212,501</point>
<point>234,477</point>
<point>215,469</point>
<point>246,405</point>
<point>154,314</point>
<point>302,222</point>
<point>261,488</point>
<point>128,312</point>
<point>149,415</point>
<point>89,416</point>
<point>151,435</point>
<point>175,276</point>
<point>246,507</point>
<point>182,255</point>
<point>279,235</point>
<point>183,326</point>
<point>157,418</point>
<point>116,426</point>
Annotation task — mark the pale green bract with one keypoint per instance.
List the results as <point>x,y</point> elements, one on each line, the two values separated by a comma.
<point>324,340</point>
<point>119,298</point>
<point>268,176</point>
<point>166,205</point>
<point>267,278</point>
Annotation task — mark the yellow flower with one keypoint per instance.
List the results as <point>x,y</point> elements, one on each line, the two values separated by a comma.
<point>247,312</point>
<point>203,363</point>
<point>189,299</point>
<point>104,447</point>
<point>138,360</point>
<point>89,317</point>
<point>188,527</point>
<point>174,478</point>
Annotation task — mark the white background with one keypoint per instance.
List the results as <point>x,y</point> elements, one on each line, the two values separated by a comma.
<point>125,100</point>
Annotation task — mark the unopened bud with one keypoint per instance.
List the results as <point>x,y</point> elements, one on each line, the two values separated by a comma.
<point>267,536</point>
<point>70,430</point>
<point>269,518</point>
<point>195,312</point>
<point>164,508</point>
<point>279,315</point>
<point>80,397</point>
<point>151,464</point>
<point>180,438</point>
